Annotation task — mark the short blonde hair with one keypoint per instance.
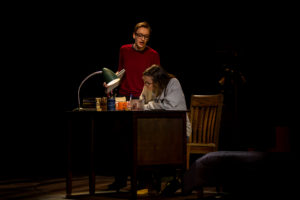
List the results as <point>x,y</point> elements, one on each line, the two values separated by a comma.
<point>142,24</point>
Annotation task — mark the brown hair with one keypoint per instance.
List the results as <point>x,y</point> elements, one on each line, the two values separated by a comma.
<point>160,78</point>
<point>142,24</point>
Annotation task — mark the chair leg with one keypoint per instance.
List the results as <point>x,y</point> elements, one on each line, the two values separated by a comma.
<point>187,158</point>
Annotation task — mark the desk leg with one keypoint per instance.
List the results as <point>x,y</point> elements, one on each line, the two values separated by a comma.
<point>134,183</point>
<point>92,164</point>
<point>134,162</point>
<point>69,161</point>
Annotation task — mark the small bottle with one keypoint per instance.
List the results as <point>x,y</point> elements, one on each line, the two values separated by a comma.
<point>103,104</point>
<point>111,104</point>
<point>129,102</point>
<point>98,103</point>
<point>117,104</point>
<point>128,105</point>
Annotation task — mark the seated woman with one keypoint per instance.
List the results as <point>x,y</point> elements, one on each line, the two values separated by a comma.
<point>163,91</point>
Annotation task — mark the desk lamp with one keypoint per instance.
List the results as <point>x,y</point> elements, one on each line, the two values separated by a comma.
<point>112,80</point>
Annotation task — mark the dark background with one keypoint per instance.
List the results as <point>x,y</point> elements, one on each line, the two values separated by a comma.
<point>48,64</point>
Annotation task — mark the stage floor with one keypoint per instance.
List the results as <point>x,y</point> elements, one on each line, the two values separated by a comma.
<point>54,189</point>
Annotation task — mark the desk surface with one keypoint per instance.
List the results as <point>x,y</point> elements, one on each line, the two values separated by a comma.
<point>93,110</point>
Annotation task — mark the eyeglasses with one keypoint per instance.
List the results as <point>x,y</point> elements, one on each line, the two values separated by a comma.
<point>147,83</point>
<point>139,35</point>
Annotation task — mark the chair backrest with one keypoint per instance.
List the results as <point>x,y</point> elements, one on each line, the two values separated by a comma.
<point>205,115</point>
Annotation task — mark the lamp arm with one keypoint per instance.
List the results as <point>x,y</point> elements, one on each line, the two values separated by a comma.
<point>86,78</point>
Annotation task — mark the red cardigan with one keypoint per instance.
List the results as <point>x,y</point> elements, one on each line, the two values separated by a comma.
<point>135,63</point>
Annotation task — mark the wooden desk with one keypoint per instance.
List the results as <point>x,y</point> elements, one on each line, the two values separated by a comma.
<point>128,140</point>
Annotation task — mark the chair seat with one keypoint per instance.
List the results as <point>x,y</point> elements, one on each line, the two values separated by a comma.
<point>202,144</point>
<point>201,148</point>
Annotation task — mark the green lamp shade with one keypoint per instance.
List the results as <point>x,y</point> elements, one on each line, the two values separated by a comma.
<point>111,79</point>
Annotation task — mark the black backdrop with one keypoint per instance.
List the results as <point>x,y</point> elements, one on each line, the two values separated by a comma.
<point>42,84</point>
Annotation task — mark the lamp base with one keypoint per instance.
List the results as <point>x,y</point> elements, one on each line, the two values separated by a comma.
<point>84,109</point>
<point>78,109</point>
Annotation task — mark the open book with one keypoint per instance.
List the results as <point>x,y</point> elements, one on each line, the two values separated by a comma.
<point>120,74</point>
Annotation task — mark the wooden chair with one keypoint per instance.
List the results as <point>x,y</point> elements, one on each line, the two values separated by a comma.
<point>205,116</point>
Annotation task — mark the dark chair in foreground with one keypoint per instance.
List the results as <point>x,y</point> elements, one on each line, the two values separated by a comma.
<point>244,175</point>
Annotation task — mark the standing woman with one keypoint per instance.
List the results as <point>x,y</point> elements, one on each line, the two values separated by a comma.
<point>135,59</point>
